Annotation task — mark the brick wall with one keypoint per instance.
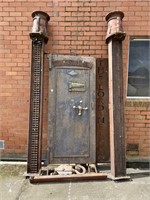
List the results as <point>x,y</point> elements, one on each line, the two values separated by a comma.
<point>77,27</point>
<point>138,128</point>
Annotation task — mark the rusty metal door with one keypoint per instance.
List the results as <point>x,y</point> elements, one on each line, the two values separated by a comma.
<point>71,114</point>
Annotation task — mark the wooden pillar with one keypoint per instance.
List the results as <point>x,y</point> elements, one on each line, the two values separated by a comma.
<point>39,38</point>
<point>102,119</point>
<point>114,38</point>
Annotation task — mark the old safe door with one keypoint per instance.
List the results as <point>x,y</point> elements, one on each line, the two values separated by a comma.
<point>71,110</point>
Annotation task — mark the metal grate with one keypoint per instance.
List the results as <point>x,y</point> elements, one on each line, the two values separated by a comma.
<point>34,131</point>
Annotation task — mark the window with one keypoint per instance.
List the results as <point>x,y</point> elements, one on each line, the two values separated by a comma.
<point>139,68</point>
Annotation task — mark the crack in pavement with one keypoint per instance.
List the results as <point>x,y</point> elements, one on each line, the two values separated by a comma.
<point>24,186</point>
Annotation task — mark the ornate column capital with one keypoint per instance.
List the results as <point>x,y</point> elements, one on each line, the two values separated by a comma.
<point>115,29</point>
<point>39,28</point>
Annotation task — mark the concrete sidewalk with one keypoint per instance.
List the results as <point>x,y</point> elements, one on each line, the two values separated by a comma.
<point>13,186</point>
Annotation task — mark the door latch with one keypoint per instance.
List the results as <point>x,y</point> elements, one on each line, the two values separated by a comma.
<point>80,108</point>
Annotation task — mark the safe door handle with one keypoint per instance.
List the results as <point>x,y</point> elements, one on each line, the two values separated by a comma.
<point>80,108</point>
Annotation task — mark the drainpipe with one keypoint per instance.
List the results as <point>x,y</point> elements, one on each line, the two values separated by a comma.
<point>39,37</point>
<point>115,36</point>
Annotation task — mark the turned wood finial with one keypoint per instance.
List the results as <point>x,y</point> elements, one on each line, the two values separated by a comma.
<point>39,28</point>
<point>115,29</point>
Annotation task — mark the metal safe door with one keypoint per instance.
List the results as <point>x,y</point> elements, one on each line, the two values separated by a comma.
<point>71,118</point>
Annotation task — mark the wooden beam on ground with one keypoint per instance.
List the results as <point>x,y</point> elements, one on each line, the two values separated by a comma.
<point>74,177</point>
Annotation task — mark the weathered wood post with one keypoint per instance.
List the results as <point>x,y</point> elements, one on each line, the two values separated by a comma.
<point>39,37</point>
<point>115,36</point>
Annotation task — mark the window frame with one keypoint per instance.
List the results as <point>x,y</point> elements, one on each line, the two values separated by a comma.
<point>146,38</point>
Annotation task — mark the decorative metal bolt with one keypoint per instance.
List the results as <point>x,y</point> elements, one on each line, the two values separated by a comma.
<point>39,28</point>
<point>115,30</point>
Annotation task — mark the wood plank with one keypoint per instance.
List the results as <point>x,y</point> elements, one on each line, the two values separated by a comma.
<point>74,177</point>
<point>116,109</point>
<point>102,118</point>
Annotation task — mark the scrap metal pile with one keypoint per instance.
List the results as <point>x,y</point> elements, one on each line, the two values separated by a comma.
<point>67,172</point>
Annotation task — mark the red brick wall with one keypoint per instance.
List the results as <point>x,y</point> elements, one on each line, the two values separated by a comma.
<point>77,27</point>
<point>138,127</point>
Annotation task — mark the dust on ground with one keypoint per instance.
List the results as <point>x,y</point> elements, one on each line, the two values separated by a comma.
<point>12,170</point>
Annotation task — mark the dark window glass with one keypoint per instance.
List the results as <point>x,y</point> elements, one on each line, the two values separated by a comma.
<point>139,69</point>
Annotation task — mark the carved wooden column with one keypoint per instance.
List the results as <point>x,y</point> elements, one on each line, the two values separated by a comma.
<point>39,37</point>
<point>114,38</point>
<point>102,119</point>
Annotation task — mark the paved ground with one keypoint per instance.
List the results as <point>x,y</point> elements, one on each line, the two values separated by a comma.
<point>13,186</point>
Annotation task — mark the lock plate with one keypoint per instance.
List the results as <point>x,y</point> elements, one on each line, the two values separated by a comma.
<point>76,86</point>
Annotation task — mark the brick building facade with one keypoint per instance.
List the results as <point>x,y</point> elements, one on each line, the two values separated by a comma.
<point>76,27</point>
